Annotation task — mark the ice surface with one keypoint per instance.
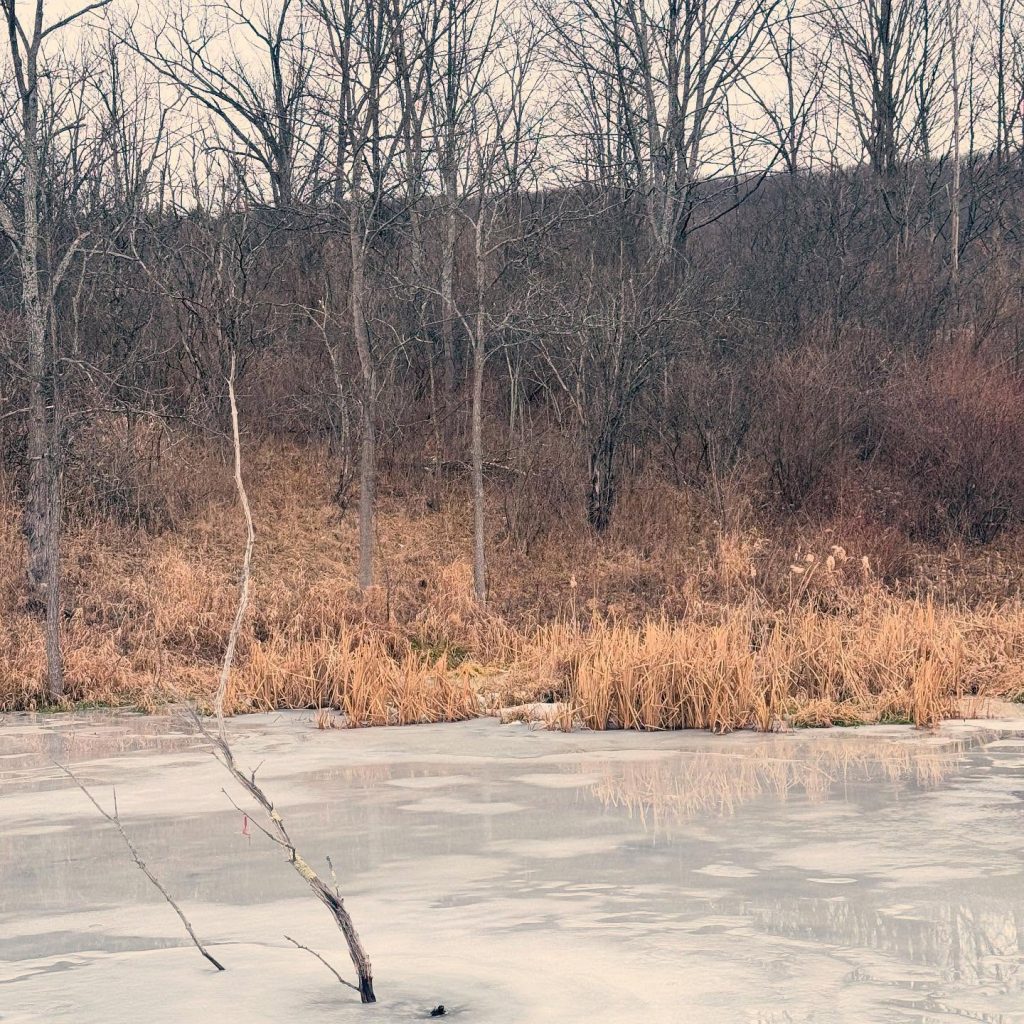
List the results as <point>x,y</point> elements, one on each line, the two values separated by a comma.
<point>515,875</point>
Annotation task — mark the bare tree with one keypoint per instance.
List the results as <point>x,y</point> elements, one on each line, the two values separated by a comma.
<point>654,77</point>
<point>213,267</point>
<point>365,95</point>
<point>1004,18</point>
<point>44,86</point>
<point>602,341</point>
<point>954,23</point>
<point>133,127</point>
<point>248,64</point>
<point>465,51</point>
<point>887,79</point>
<point>787,89</point>
<point>489,162</point>
<point>276,829</point>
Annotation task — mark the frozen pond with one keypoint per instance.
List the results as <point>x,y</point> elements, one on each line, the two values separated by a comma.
<point>872,875</point>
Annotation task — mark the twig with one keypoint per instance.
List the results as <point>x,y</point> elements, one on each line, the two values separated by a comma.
<point>115,820</point>
<point>255,824</point>
<point>313,952</point>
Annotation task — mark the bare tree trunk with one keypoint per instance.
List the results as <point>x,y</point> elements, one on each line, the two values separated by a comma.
<point>368,451</point>
<point>278,833</point>
<point>331,898</point>
<point>448,295</point>
<point>477,443</point>
<point>37,506</point>
<point>953,15</point>
<point>250,542</point>
<point>1002,132</point>
<point>341,407</point>
<point>54,609</point>
<point>601,496</point>
<point>367,491</point>
<point>41,516</point>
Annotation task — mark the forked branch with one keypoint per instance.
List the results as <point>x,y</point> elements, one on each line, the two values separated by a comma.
<point>330,897</point>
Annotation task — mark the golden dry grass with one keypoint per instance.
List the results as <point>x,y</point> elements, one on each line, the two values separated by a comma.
<point>745,667</point>
<point>672,626</point>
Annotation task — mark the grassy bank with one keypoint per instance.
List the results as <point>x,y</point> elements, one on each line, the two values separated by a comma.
<point>667,622</point>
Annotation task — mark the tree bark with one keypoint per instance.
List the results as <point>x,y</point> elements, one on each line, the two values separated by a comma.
<point>479,553</point>
<point>601,496</point>
<point>954,196</point>
<point>477,441</point>
<point>368,450</point>
<point>54,609</point>
<point>41,522</point>
<point>448,297</point>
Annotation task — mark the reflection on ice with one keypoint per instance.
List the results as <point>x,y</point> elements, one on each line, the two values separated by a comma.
<point>968,944</point>
<point>718,782</point>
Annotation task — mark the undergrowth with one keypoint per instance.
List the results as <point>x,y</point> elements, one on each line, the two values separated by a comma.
<point>703,627</point>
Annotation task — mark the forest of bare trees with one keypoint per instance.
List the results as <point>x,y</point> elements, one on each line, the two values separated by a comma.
<point>538,255</point>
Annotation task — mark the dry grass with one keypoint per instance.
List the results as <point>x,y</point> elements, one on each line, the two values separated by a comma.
<point>747,668</point>
<point>660,626</point>
<point>357,673</point>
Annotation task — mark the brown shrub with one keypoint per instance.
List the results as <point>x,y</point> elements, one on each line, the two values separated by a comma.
<point>692,626</point>
<point>811,405</point>
<point>741,667</point>
<point>954,435</point>
<point>139,473</point>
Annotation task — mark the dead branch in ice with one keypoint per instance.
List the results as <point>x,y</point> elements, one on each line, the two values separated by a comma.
<point>330,897</point>
<point>115,820</point>
<point>277,831</point>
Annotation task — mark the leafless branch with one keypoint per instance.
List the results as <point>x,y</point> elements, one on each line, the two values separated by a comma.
<point>313,952</point>
<point>115,820</point>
